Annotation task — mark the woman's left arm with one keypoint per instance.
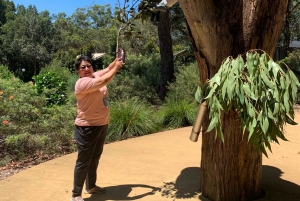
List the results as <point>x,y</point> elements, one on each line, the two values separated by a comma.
<point>105,70</point>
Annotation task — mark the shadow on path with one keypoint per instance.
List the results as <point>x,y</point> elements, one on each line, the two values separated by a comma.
<point>121,192</point>
<point>278,189</point>
<point>187,185</point>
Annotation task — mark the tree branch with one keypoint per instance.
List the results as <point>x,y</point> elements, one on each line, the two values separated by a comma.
<point>295,7</point>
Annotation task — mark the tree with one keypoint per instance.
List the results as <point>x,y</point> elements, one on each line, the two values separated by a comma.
<point>6,10</point>
<point>291,25</point>
<point>128,13</point>
<point>87,31</point>
<point>166,53</point>
<point>29,36</point>
<point>231,171</point>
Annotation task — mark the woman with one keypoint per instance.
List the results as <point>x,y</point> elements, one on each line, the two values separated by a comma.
<point>91,122</point>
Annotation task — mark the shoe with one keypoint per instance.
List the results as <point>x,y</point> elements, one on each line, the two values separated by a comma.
<point>95,190</point>
<point>79,198</point>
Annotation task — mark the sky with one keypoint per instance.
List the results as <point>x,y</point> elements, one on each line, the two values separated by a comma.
<point>67,6</point>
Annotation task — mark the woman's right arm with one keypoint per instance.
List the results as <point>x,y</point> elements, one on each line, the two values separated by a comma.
<point>105,77</point>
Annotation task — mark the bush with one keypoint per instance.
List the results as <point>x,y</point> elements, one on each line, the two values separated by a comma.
<point>140,77</point>
<point>293,62</point>
<point>25,142</point>
<point>129,118</point>
<point>20,105</point>
<point>185,86</point>
<point>27,126</point>
<point>5,73</point>
<point>130,86</point>
<point>53,86</point>
<point>64,74</point>
<point>178,113</point>
<point>147,67</point>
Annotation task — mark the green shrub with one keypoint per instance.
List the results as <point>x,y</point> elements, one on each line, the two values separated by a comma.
<point>131,117</point>
<point>187,81</point>
<point>176,114</point>
<point>71,83</point>
<point>53,86</point>
<point>144,66</point>
<point>129,86</point>
<point>64,74</point>
<point>293,62</point>
<point>20,105</point>
<point>25,142</point>
<point>28,127</point>
<point>5,73</point>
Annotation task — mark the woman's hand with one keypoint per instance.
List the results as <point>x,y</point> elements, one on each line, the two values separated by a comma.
<point>118,63</point>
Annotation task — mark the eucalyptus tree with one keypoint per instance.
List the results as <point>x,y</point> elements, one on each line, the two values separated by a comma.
<point>291,26</point>
<point>29,37</point>
<point>88,30</point>
<point>6,10</point>
<point>231,170</point>
<point>143,10</point>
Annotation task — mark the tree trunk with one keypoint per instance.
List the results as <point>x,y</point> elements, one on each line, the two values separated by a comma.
<point>166,53</point>
<point>231,171</point>
<point>287,31</point>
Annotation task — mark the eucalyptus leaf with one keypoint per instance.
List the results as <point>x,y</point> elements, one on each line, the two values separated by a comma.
<point>259,91</point>
<point>294,78</point>
<point>224,89</point>
<point>286,101</point>
<point>198,95</point>
<point>266,79</point>
<point>212,124</point>
<point>211,92</point>
<point>275,69</point>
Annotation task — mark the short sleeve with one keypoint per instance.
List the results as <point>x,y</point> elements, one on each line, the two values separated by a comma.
<point>84,85</point>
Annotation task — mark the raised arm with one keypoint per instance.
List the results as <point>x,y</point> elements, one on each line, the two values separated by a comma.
<point>106,75</point>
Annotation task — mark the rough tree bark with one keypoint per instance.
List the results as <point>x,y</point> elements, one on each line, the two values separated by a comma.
<point>231,171</point>
<point>166,53</point>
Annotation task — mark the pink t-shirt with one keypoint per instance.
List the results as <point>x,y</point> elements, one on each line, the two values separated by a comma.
<point>91,110</point>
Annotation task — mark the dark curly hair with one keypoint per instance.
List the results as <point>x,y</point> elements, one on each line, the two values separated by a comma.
<point>80,59</point>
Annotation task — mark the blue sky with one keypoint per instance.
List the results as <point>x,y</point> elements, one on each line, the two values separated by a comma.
<point>67,6</point>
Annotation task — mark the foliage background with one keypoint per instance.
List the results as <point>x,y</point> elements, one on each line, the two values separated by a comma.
<point>37,76</point>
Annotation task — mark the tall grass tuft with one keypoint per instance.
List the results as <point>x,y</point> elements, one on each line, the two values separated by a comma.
<point>130,118</point>
<point>176,114</point>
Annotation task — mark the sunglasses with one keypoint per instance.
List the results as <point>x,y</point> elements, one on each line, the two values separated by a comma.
<point>84,67</point>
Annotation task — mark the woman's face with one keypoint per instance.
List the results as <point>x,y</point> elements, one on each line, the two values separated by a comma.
<point>85,69</point>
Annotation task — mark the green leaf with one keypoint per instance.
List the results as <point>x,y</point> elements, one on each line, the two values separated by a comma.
<point>290,121</point>
<point>266,79</point>
<point>265,124</point>
<point>246,88</point>
<point>286,101</point>
<point>219,132</point>
<point>198,95</point>
<point>212,90</point>
<point>241,94</point>
<point>262,148</point>
<point>270,113</point>
<point>282,82</point>
<point>230,89</point>
<point>294,78</point>
<point>251,111</point>
<point>224,89</point>
<point>212,124</point>
<point>275,69</point>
